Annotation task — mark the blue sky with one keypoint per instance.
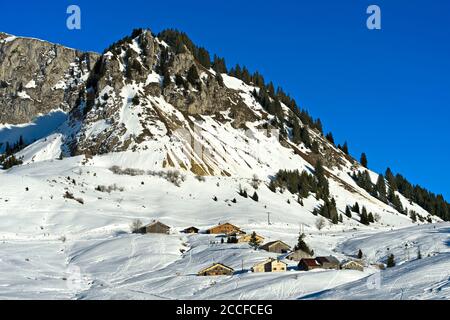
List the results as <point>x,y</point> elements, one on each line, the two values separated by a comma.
<point>386,92</point>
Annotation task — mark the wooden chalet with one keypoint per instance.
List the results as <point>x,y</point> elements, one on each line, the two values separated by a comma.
<point>307,264</point>
<point>216,269</point>
<point>155,227</point>
<point>270,265</point>
<point>298,255</point>
<point>277,246</point>
<point>329,262</point>
<point>226,228</point>
<point>191,230</point>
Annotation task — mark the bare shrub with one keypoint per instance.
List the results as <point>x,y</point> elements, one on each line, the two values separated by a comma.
<point>127,171</point>
<point>173,176</point>
<point>255,182</point>
<point>70,196</point>
<point>110,188</point>
<point>115,170</point>
<point>136,226</point>
<point>377,217</point>
<point>320,223</point>
<point>200,178</point>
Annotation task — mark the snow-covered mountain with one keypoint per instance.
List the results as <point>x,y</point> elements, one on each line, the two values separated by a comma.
<point>146,131</point>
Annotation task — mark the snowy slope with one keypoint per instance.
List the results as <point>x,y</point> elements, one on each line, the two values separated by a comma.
<point>61,238</point>
<point>412,278</point>
<point>72,251</point>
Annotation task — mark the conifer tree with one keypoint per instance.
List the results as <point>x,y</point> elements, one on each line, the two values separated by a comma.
<point>323,191</point>
<point>391,261</point>
<point>348,212</point>
<point>204,58</point>
<point>318,125</point>
<point>304,136</point>
<point>219,79</point>
<point>360,254</point>
<point>356,208</point>
<point>253,241</point>
<point>391,179</point>
<point>296,131</point>
<point>271,89</point>
<point>333,213</point>
<point>395,201</point>
<point>370,218</point>
<point>219,65</point>
<point>413,216</point>
<point>381,188</point>
<point>364,161</point>
<point>301,244</point>
<point>345,148</point>
<point>364,217</point>
<point>330,137</point>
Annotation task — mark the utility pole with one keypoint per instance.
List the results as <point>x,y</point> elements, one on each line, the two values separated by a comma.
<point>268,218</point>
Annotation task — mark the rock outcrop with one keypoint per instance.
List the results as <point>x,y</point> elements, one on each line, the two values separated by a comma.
<point>37,77</point>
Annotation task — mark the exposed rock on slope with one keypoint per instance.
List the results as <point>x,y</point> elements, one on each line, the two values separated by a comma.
<point>37,77</point>
<point>141,83</point>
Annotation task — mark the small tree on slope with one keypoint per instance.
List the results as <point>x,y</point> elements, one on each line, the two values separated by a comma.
<point>391,261</point>
<point>301,245</point>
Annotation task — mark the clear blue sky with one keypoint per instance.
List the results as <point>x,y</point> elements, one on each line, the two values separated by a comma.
<point>387,92</point>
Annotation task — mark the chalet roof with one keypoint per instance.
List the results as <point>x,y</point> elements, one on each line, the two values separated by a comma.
<point>191,228</point>
<point>348,262</point>
<point>310,262</point>
<point>157,223</point>
<point>216,265</point>
<point>269,260</point>
<point>269,244</point>
<point>329,259</point>
<point>226,223</point>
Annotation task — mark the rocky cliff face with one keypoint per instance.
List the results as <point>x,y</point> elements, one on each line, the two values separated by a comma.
<point>37,77</point>
<point>130,88</point>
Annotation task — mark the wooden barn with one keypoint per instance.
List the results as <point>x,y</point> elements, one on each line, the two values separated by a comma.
<point>270,265</point>
<point>191,230</point>
<point>225,228</point>
<point>216,269</point>
<point>155,227</point>
<point>277,246</point>
<point>246,238</point>
<point>329,262</point>
<point>307,264</point>
<point>298,255</point>
<point>353,265</point>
